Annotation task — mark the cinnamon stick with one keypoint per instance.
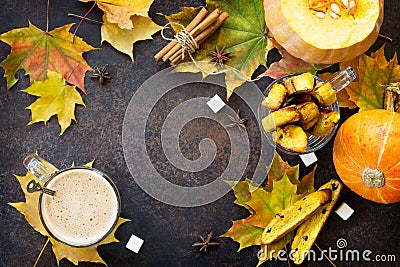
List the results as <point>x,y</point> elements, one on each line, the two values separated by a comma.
<point>195,22</point>
<point>209,20</point>
<point>176,58</point>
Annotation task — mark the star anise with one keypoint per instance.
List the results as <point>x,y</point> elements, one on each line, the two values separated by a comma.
<point>220,56</point>
<point>237,121</point>
<point>101,74</point>
<point>205,242</point>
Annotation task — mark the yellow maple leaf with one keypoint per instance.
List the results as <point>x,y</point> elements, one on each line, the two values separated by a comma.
<point>233,78</point>
<point>55,98</point>
<point>29,209</point>
<point>373,73</point>
<point>123,39</point>
<point>120,11</point>
<point>90,253</point>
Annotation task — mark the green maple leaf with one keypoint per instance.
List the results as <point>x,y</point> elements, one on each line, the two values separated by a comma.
<point>244,233</point>
<point>267,204</point>
<point>242,33</point>
<point>373,74</point>
<point>279,168</point>
<point>55,98</point>
<point>242,190</point>
<point>264,203</point>
<point>37,51</point>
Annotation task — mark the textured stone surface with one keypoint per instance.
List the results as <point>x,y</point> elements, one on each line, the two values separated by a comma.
<point>169,231</point>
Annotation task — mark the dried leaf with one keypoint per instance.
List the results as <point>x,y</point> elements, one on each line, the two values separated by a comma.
<point>36,52</point>
<point>373,72</point>
<point>242,190</point>
<point>264,204</point>
<point>187,14</point>
<point>244,233</point>
<point>120,11</point>
<point>123,39</point>
<point>344,99</point>
<point>242,33</point>
<point>290,64</point>
<point>55,98</point>
<point>29,209</point>
<point>90,254</point>
<point>233,78</point>
<point>306,186</point>
<point>267,204</point>
<point>279,168</point>
<point>205,68</point>
<point>273,249</point>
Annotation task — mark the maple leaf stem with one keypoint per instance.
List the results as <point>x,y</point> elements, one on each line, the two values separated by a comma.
<point>83,18</point>
<point>47,16</point>
<point>41,252</point>
<point>288,261</point>
<point>72,72</point>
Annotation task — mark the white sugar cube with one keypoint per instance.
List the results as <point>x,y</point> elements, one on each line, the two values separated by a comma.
<point>344,211</point>
<point>216,103</point>
<point>134,243</point>
<point>308,159</point>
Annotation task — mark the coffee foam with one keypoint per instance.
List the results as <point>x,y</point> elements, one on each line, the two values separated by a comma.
<point>83,209</point>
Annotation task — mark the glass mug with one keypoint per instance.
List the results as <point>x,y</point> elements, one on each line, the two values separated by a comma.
<point>339,81</point>
<point>78,206</point>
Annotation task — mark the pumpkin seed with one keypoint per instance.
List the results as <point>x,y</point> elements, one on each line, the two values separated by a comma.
<point>320,15</point>
<point>335,8</point>
<point>345,3</point>
<point>333,15</point>
<point>350,10</point>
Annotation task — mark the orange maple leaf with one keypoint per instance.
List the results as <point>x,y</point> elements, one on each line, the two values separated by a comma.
<point>37,51</point>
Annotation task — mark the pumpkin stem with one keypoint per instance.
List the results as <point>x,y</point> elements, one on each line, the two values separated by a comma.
<point>373,178</point>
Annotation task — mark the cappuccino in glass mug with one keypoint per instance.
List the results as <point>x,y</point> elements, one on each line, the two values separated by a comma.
<point>78,206</point>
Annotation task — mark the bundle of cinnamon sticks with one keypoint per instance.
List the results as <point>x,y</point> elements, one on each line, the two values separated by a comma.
<point>200,28</point>
<point>391,100</point>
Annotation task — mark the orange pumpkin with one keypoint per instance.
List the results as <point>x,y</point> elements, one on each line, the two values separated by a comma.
<point>366,154</point>
<point>324,31</point>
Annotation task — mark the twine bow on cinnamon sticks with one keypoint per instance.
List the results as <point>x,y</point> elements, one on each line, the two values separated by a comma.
<point>188,40</point>
<point>391,100</point>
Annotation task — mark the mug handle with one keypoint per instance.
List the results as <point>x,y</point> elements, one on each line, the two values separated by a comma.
<point>39,167</point>
<point>342,79</point>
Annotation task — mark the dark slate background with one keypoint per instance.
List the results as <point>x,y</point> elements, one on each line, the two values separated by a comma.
<point>168,231</point>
